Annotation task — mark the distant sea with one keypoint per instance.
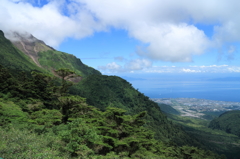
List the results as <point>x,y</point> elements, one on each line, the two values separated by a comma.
<point>211,87</point>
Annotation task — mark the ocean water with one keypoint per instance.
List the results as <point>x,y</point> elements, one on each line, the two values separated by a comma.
<point>203,87</point>
<point>221,91</point>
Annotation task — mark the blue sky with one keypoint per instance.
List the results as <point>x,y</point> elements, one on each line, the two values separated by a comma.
<point>134,36</point>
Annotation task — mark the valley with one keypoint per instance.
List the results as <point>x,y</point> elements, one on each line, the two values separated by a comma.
<point>198,108</point>
<point>195,116</point>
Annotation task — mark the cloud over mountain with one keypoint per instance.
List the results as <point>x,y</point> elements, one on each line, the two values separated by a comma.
<point>168,29</point>
<point>48,22</point>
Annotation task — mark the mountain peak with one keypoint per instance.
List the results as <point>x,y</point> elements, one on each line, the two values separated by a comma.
<point>29,52</point>
<point>28,44</point>
<point>23,36</point>
<point>26,38</point>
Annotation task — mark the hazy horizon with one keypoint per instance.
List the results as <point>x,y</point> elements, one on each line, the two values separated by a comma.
<point>220,87</point>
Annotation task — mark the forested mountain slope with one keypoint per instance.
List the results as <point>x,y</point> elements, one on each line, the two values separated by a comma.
<point>100,116</point>
<point>104,91</point>
<point>99,90</point>
<point>214,139</point>
<point>39,120</point>
<point>167,109</point>
<point>228,122</point>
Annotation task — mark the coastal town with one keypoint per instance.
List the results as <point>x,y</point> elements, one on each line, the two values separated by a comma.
<point>196,107</point>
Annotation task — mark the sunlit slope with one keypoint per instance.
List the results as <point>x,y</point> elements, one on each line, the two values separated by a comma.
<point>104,91</point>
<point>53,60</point>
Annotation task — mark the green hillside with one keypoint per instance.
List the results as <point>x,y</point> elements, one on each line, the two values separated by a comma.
<point>104,91</point>
<point>38,120</point>
<point>101,116</point>
<point>167,109</point>
<point>228,122</point>
<point>13,58</point>
<point>215,140</point>
<point>100,91</point>
<point>53,60</point>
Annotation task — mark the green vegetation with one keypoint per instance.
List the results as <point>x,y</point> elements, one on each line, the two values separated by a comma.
<point>50,60</point>
<point>42,116</point>
<point>19,143</point>
<point>54,60</point>
<point>103,91</point>
<point>212,115</point>
<point>61,125</point>
<point>167,109</point>
<point>228,122</point>
<point>215,140</point>
<point>40,86</point>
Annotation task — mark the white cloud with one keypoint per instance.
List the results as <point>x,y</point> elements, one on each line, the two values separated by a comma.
<point>129,66</point>
<point>234,69</point>
<point>190,70</point>
<point>138,64</point>
<point>46,23</point>
<point>194,69</point>
<point>148,68</point>
<point>156,23</point>
<point>112,67</point>
<point>166,27</point>
<point>168,42</point>
<point>210,66</point>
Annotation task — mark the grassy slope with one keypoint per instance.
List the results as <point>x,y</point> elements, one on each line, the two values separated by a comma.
<point>52,60</point>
